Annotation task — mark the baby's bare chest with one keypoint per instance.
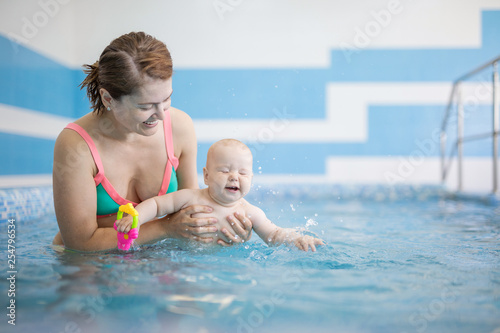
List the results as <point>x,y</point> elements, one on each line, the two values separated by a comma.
<point>223,214</point>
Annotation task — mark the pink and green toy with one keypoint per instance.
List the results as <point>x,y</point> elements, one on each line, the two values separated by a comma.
<point>125,240</point>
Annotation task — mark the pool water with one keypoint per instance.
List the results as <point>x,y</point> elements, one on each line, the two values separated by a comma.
<point>405,260</point>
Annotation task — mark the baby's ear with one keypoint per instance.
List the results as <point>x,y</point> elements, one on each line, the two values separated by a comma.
<point>205,175</point>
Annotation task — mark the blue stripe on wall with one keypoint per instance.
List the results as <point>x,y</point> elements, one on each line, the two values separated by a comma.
<point>23,155</point>
<point>32,81</point>
<point>250,93</point>
<point>392,131</point>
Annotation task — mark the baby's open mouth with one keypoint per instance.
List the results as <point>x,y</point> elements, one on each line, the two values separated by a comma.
<point>232,188</point>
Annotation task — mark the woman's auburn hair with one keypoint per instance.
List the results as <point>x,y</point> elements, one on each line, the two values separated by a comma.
<point>123,66</point>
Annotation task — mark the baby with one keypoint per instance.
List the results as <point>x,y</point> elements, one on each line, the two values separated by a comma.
<point>228,175</point>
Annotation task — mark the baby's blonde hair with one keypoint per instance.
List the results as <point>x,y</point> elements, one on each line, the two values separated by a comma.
<point>226,143</point>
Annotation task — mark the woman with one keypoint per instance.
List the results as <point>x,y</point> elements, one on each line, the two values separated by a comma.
<point>132,147</point>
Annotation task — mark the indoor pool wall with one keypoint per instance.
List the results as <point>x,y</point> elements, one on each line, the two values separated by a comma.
<point>25,203</point>
<point>28,203</point>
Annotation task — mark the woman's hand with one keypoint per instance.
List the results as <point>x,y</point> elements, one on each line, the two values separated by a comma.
<point>183,226</point>
<point>241,230</point>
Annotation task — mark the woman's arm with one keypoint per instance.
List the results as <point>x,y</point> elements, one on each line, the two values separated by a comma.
<point>185,148</point>
<point>75,196</point>
<point>181,224</point>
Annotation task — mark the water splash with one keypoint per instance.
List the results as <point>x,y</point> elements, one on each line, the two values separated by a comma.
<point>311,223</point>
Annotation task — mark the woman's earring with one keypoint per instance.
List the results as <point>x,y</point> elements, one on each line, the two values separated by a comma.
<point>109,109</point>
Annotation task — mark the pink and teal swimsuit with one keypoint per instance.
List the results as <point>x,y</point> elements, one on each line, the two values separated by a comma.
<point>108,200</point>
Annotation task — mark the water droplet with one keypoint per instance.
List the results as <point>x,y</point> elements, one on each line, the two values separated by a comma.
<point>293,208</point>
<point>310,223</point>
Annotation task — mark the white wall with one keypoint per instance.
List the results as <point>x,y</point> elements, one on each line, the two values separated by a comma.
<point>241,33</point>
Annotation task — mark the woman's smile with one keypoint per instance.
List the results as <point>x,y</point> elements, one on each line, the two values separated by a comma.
<point>151,123</point>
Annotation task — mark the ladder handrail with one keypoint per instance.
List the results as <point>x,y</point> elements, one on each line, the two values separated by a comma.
<point>458,81</point>
<point>457,146</point>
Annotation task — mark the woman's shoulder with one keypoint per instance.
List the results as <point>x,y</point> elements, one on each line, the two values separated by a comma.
<point>69,137</point>
<point>70,140</point>
<point>86,123</point>
<point>180,119</point>
<point>71,150</point>
<point>182,126</point>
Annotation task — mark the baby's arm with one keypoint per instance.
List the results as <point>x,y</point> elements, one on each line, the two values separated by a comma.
<point>156,207</point>
<point>274,235</point>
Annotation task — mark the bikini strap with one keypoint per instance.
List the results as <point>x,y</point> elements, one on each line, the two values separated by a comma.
<point>172,160</point>
<point>93,150</point>
<point>169,140</point>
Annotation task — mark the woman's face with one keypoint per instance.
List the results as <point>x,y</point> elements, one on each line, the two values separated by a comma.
<point>141,111</point>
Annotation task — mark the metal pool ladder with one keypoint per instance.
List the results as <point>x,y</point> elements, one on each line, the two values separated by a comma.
<point>456,94</point>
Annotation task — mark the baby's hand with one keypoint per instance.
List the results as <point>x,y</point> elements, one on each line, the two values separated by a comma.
<point>125,224</point>
<point>304,242</point>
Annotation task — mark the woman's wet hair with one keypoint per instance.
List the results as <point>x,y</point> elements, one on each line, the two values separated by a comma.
<point>123,66</point>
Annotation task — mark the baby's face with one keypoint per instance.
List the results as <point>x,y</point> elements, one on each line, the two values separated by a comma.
<point>228,174</point>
